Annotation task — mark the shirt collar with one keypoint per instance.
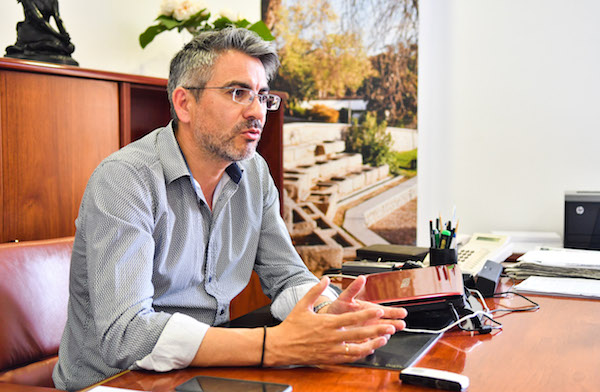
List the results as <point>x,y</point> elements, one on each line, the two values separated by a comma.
<point>171,157</point>
<point>234,172</point>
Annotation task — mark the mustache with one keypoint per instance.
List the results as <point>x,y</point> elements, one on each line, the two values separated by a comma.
<point>255,123</point>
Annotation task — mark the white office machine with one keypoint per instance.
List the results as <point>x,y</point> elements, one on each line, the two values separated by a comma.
<point>480,248</point>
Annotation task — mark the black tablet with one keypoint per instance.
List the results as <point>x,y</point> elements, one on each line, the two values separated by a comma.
<point>218,384</point>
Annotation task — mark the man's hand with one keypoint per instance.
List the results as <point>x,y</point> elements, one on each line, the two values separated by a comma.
<point>349,330</point>
<point>347,302</point>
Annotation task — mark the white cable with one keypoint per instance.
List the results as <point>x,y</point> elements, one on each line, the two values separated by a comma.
<point>481,300</point>
<point>341,276</point>
<point>469,316</point>
<point>472,315</point>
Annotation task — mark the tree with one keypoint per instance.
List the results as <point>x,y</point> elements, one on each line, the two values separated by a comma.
<point>392,93</point>
<point>369,138</point>
<point>316,62</point>
<point>393,20</point>
<point>342,65</point>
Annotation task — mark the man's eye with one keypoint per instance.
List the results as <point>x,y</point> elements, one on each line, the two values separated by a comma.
<point>239,93</point>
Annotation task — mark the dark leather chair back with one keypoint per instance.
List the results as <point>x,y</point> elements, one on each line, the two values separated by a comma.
<point>34,292</point>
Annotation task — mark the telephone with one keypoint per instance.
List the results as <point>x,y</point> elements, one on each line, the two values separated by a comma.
<point>480,248</point>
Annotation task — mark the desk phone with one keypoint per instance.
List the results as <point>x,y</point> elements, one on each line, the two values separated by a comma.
<point>480,248</point>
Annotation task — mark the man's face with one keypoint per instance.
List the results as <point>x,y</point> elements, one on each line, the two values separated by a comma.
<point>225,129</point>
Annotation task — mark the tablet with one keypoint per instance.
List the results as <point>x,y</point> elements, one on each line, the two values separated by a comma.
<point>218,384</point>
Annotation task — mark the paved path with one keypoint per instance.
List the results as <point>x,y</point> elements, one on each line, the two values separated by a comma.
<point>358,219</point>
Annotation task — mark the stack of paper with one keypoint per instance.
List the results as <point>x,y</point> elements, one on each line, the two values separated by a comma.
<point>557,262</point>
<point>571,287</point>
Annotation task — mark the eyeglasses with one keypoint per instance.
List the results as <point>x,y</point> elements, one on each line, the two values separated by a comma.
<point>245,96</point>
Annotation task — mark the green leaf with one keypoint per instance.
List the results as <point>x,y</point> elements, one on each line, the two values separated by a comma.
<point>147,36</point>
<point>198,18</point>
<point>262,30</point>
<point>168,22</point>
<point>242,23</point>
<point>222,22</point>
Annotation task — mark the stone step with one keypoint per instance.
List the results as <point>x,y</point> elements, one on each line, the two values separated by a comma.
<point>329,148</point>
<point>326,194</point>
<point>299,155</point>
<point>299,180</point>
<point>307,154</point>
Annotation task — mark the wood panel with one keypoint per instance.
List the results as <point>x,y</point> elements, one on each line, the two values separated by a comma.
<point>271,145</point>
<point>149,109</point>
<point>55,131</point>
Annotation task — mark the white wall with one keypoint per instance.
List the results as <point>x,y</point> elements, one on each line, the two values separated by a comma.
<point>105,33</point>
<point>509,96</point>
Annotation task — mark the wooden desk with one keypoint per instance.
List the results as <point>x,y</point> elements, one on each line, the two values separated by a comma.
<point>6,387</point>
<point>556,348</point>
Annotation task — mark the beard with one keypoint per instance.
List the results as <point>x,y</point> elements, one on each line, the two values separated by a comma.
<point>223,145</point>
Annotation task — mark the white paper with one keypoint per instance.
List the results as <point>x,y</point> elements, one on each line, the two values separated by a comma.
<point>570,287</point>
<point>563,257</point>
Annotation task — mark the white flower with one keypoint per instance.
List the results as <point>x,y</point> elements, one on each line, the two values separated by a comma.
<point>187,8</point>
<point>167,7</point>
<point>229,14</point>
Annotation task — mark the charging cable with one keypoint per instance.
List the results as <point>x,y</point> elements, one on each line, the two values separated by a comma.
<point>454,324</point>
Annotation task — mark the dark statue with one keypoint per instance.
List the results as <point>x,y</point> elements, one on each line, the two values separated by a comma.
<point>37,39</point>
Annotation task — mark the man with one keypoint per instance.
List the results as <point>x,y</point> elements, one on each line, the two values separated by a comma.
<point>171,227</point>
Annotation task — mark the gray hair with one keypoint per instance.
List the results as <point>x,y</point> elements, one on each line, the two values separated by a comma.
<point>193,65</point>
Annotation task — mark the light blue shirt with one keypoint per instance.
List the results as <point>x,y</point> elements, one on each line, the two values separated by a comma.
<point>148,247</point>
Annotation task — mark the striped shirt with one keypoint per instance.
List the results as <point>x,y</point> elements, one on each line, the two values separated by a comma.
<point>153,267</point>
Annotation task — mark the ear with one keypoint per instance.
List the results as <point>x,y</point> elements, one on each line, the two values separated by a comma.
<point>182,103</point>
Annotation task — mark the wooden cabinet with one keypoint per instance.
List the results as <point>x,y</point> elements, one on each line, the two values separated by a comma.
<point>58,122</point>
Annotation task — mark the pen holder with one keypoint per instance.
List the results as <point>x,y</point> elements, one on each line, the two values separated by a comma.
<point>442,256</point>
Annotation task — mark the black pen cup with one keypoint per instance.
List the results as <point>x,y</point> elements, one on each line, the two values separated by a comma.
<point>442,256</point>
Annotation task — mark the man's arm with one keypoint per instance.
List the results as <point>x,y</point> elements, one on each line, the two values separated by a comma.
<point>304,337</point>
<point>116,224</point>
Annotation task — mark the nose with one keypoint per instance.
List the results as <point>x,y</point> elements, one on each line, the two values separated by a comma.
<point>256,110</point>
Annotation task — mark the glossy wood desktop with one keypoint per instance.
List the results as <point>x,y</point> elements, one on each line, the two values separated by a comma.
<point>556,348</point>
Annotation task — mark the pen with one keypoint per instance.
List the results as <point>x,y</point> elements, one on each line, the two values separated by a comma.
<point>431,235</point>
<point>453,238</point>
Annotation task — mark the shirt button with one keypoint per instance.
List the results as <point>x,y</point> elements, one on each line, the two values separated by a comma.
<point>209,279</point>
<point>222,312</point>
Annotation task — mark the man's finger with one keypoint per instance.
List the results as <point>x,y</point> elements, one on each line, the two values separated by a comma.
<point>353,289</point>
<point>359,317</point>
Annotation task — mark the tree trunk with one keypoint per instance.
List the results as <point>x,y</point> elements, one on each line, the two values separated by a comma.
<point>269,10</point>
